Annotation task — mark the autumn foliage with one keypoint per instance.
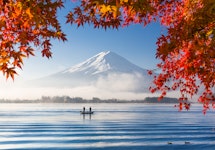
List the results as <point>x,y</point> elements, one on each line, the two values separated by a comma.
<point>186,51</point>
<point>26,25</point>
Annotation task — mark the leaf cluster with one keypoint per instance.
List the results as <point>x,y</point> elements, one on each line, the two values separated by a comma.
<point>26,25</point>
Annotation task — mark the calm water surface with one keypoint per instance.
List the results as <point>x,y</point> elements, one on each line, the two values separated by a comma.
<point>113,126</point>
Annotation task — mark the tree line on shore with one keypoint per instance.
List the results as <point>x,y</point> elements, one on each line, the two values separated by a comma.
<point>67,99</point>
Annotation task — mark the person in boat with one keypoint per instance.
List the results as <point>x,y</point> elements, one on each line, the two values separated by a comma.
<point>90,110</point>
<point>83,109</point>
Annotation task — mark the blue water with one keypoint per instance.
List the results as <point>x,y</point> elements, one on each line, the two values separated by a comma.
<point>113,126</point>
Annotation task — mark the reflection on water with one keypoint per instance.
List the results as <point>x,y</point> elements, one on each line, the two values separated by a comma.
<point>112,126</point>
<point>87,116</point>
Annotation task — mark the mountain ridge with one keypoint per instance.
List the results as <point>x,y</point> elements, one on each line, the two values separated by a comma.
<point>104,62</point>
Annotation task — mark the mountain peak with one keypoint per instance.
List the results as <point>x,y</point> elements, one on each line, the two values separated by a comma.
<point>104,53</point>
<point>104,62</point>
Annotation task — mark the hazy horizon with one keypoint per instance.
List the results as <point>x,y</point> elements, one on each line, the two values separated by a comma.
<point>111,76</point>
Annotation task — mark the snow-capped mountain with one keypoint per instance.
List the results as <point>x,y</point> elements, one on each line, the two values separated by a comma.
<point>103,63</point>
<point>104,70</point>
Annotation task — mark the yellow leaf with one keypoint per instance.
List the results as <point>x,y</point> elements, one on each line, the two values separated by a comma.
<point>123,1</point>
<point>114,8</point>
<point>28,11</point>
<point>105,8</point>
<point>19,5</point>
<point>115,11</point>
<point>209,32</point>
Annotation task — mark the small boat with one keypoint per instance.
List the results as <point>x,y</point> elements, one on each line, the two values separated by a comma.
<point>86,112</point>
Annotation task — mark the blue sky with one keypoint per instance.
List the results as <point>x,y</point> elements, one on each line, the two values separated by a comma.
<point>136,43</point>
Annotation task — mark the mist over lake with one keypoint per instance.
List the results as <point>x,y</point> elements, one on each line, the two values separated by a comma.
<point>112,126</point>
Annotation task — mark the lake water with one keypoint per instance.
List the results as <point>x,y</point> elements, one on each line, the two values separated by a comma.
<point>113,126</point>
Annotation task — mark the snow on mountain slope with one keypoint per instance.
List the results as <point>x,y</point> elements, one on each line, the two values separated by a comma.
<point>104,62</point>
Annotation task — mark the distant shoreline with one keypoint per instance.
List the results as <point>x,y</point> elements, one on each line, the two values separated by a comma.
<point>67,99</point>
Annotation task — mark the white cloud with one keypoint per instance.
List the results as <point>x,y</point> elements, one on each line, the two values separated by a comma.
<point>120,86</point>
<point>123,83</point>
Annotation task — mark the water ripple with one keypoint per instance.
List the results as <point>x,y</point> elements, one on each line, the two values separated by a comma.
<point>61,128</point>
